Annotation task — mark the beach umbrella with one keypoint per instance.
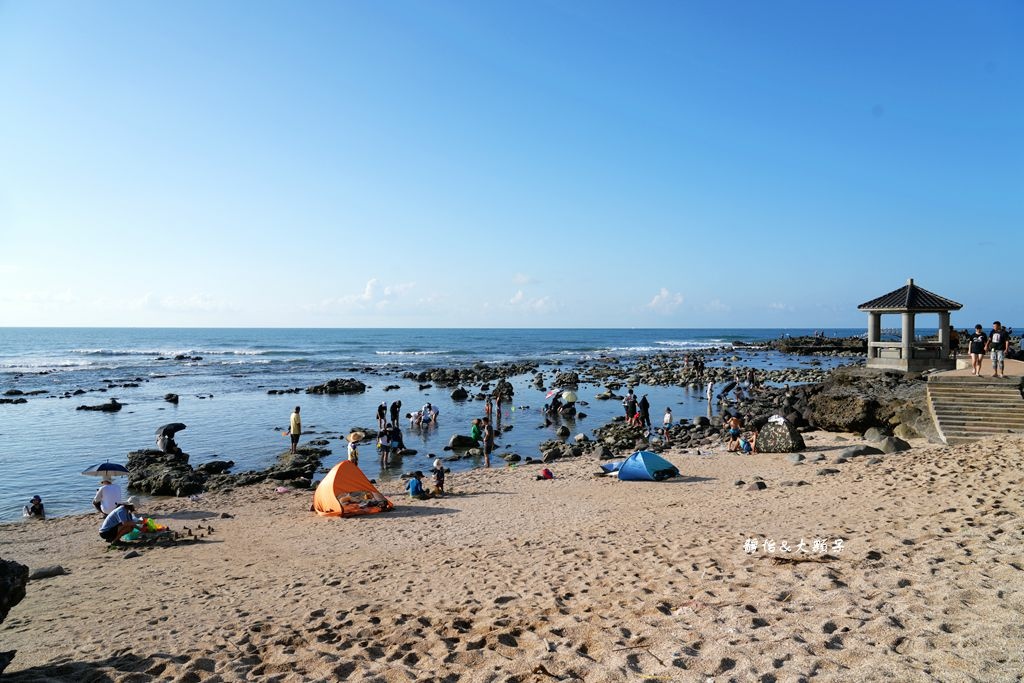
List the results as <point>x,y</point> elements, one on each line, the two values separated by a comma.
<point>169,429</point>
<point>106,470</point>
<point>569,396</point>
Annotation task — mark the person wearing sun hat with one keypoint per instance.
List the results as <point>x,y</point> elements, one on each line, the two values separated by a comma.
<point>120,521</point>
<point>35,508</point>
<point>353,447</point>
<point>108,495</point>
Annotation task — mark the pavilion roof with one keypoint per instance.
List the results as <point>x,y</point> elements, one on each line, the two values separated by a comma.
<point>910,298</point>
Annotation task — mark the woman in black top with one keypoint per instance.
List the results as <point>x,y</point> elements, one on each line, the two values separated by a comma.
<point>977,342</point>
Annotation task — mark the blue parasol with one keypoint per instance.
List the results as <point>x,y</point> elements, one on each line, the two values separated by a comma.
<point>106,470</point>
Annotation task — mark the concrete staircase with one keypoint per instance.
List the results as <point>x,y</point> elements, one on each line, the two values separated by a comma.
<point>969,408</point>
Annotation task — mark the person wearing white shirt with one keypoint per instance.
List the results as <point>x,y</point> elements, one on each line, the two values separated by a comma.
<point>108,496</point>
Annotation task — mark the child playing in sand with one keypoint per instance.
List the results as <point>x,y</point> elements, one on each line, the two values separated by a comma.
<point>438,473</point>
<point>415,487</point>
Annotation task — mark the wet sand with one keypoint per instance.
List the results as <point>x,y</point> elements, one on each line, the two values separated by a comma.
<point>513,579</point>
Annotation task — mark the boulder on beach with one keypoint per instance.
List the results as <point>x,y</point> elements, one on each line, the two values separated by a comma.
<point>779,437</point>
<point>460,394</point>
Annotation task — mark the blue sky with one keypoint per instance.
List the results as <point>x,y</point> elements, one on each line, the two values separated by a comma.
<point>507,164</point>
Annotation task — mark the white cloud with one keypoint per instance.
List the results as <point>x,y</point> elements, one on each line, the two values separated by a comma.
<point>665,301</point>
<point>716,306</point>
<point>196,302</point>
<point>374,295</point>
<point>523,279</point>
<point>542,304</point>
<point>777,306</point>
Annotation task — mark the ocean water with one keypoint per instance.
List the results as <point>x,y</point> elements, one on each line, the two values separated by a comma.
<point>45,443</point>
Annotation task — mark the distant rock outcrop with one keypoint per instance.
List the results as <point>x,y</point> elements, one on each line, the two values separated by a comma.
<point>338,386</point>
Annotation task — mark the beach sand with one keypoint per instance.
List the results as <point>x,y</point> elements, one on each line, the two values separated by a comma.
<point>513,579</point>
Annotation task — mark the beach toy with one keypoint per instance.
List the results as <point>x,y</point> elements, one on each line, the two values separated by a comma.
<point>132,535</point>
<point>282,489</point>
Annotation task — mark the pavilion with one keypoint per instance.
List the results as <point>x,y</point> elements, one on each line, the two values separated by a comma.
<point>908,354</point>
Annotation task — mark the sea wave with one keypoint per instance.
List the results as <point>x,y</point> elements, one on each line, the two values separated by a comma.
<point>171,352</point>
<point>692,344</point>
<point>419,353</point>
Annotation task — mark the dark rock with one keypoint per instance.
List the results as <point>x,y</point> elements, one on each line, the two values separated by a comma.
<point>111,407</point>
<point>47,572</point>
<point>562,431</point>
<point>827,471</point>
<point>12,401</point>
<point>338,386</point>
<point>163,474</point>
<point>566,379</point>
<point>131,554</point>
<point>779,438</point>
<point>14,392</point>
<point>511,457</point>
<point>794,483</point>
<point>171,398</point>
<point>816,458</point>
<point>226,515</point>
<point>796,458</point>
<point>13,577</point>
<point>873,461</point>
<point>875,434</point>
<point>215,467</point>
<point>460,394</point>
<point>757,486</point>
<point>461,442</point>
<point>858,451</point>
<point>739,482</point>
<point>892,444</point>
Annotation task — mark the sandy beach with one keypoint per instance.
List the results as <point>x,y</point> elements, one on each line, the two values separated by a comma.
<point>513,579</point>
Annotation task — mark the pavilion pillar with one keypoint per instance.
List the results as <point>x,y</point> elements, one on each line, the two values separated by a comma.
<point>874,332</point>
<point>944,332</point>
<point>908,337</point>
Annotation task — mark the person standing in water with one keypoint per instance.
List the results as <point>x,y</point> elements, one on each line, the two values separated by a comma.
<point>488,434</point>
<point>295,428</point>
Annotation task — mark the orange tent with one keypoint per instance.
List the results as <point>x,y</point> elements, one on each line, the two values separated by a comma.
<point>346,491</point>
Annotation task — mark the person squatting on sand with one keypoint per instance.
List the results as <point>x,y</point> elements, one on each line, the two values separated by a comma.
<point>415,487</point>
<point>998,344</point>
<point>295,429</point>
<point>120,522</point>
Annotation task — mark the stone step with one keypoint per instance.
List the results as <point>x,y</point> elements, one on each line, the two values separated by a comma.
<point>974,427</point>
<point>994,413</point>
<point>975,393</point>
<point>958,412</point>
<point>1001,396</point>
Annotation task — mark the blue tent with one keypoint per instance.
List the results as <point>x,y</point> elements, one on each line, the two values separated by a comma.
<point>647,466</point>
